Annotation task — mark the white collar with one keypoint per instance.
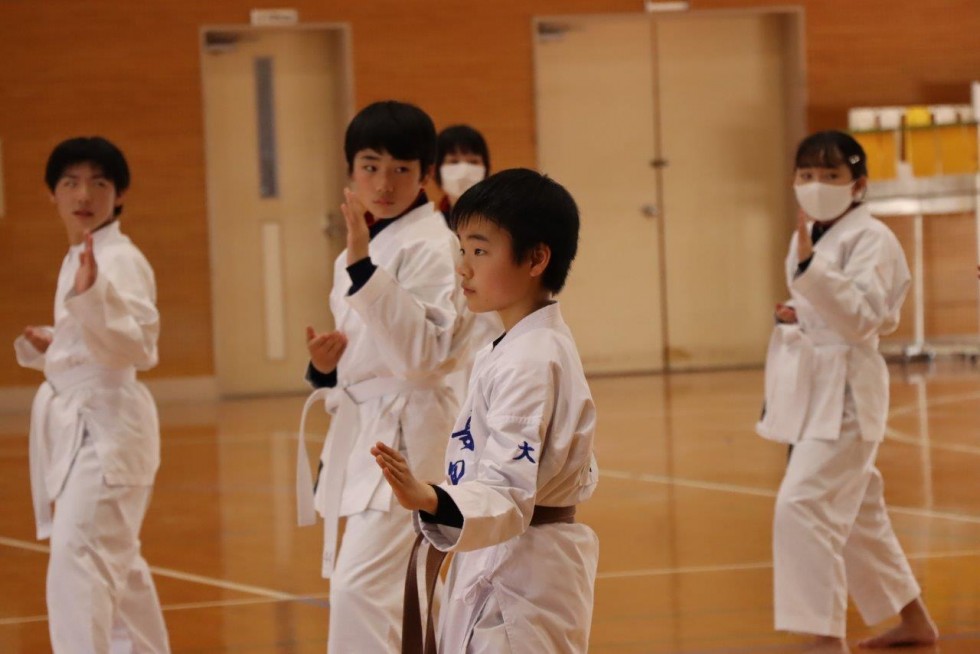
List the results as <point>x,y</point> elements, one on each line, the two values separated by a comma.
<point>105,233</point>
<point>546,316</point>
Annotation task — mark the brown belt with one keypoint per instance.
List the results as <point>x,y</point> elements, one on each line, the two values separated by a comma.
<point>549,515</point>
<point>412,642</point>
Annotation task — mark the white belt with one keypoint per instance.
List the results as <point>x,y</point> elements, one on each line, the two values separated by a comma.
<point>91,376</point>
<point>342,402</point>
<point>824,337</point>
<point>60,384</point>
<point>789,367</point>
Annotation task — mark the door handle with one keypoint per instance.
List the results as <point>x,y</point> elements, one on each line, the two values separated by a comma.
<point>650,211</point>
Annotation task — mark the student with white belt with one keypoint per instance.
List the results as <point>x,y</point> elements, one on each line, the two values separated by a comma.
<point>397,307</point>
<point>827,395</point>
<point>95,436</point>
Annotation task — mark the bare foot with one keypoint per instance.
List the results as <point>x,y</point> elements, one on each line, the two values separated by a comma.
<point>903,636</point>
<point>916,628</point>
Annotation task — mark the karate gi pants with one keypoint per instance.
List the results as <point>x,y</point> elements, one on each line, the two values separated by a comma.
<point>100,593</point>
<point>832,536</point>
<point>367,586</point>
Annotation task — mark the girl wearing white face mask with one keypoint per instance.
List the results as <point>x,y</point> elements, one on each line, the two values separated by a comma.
<point>462,160</point>
<point>827,395</point>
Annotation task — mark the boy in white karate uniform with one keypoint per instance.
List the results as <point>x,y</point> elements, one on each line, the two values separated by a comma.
<point>520,457</point>
<point>827,394</point>
<point>397,306</point>
<point>95,438</point>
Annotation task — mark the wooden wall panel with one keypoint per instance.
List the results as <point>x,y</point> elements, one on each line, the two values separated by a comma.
<point>902,227</point>
<point>950,283</point>
<point>950,280</point>
<point>130,71</point>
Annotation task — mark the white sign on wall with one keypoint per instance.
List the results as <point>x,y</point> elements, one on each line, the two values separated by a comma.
<point>267,17</point>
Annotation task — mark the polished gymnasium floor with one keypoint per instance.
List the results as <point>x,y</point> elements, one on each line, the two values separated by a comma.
<point>683,514</point>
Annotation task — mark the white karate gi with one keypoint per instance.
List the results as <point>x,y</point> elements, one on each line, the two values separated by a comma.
<point>94,452</point>
<point>391,388</point>
<point>831,532</point>
<point>524,437</point>
<point>481,329</point>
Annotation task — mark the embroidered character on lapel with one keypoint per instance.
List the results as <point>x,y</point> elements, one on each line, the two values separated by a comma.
<point>465,436</point>
<point>456,471</point>
<point>525,453</point>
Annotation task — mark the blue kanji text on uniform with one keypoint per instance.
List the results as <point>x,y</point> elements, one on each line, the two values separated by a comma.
<point>465,436</point>
<point>525,453</point>
<point>456,471</point>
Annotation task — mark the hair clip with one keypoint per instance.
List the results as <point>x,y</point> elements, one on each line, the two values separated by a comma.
<point>853,159</point>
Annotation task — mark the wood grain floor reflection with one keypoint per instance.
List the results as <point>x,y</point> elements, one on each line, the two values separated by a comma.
<point>683,513</point>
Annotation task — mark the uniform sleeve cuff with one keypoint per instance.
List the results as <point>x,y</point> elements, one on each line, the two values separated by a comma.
<point>447,513</point>
<point>375,287</point>
<point>360,273</point>
<point>319,379</point>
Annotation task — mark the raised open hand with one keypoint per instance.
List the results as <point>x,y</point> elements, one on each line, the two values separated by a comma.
<point>88,270</point>
<point>358,235</point>
<point>804,243</point>
<point>411,493</point>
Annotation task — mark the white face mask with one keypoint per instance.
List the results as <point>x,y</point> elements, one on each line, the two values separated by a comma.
<point>457,178</point>
<point>824,202</point>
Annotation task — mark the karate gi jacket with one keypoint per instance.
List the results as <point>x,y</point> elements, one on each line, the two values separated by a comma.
<point>850,294</point>
<point>391,380</point>
<point>523,438</point>
<point>101,338</point>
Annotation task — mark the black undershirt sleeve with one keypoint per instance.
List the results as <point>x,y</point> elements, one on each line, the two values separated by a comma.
<point>360,273</point>
<point>447,513</point>
<point>319,379</point>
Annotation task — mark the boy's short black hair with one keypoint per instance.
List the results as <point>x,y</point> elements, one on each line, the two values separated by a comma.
<point>95,150</point>
<point>462,139</point>
<point>830,149</point>
<point>402,130</point>
<point>533,209</point>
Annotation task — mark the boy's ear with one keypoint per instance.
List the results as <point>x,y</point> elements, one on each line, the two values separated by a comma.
<point>427,174</point>
<point>540,258</point>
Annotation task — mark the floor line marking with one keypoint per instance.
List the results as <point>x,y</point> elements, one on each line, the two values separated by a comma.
<point>266,595</point>
<point>763,492</point>
<point>177,574</point>
<point>245,601</point>
<point>686,483</point>
<point>227,585</point>
<point>901,437</point>
<point>760,565</point>
<point>913,406</point>
<point>690,569</point>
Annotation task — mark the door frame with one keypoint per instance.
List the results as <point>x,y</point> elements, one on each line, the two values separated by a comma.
<point>344,31</point>
<point>795,85</point>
